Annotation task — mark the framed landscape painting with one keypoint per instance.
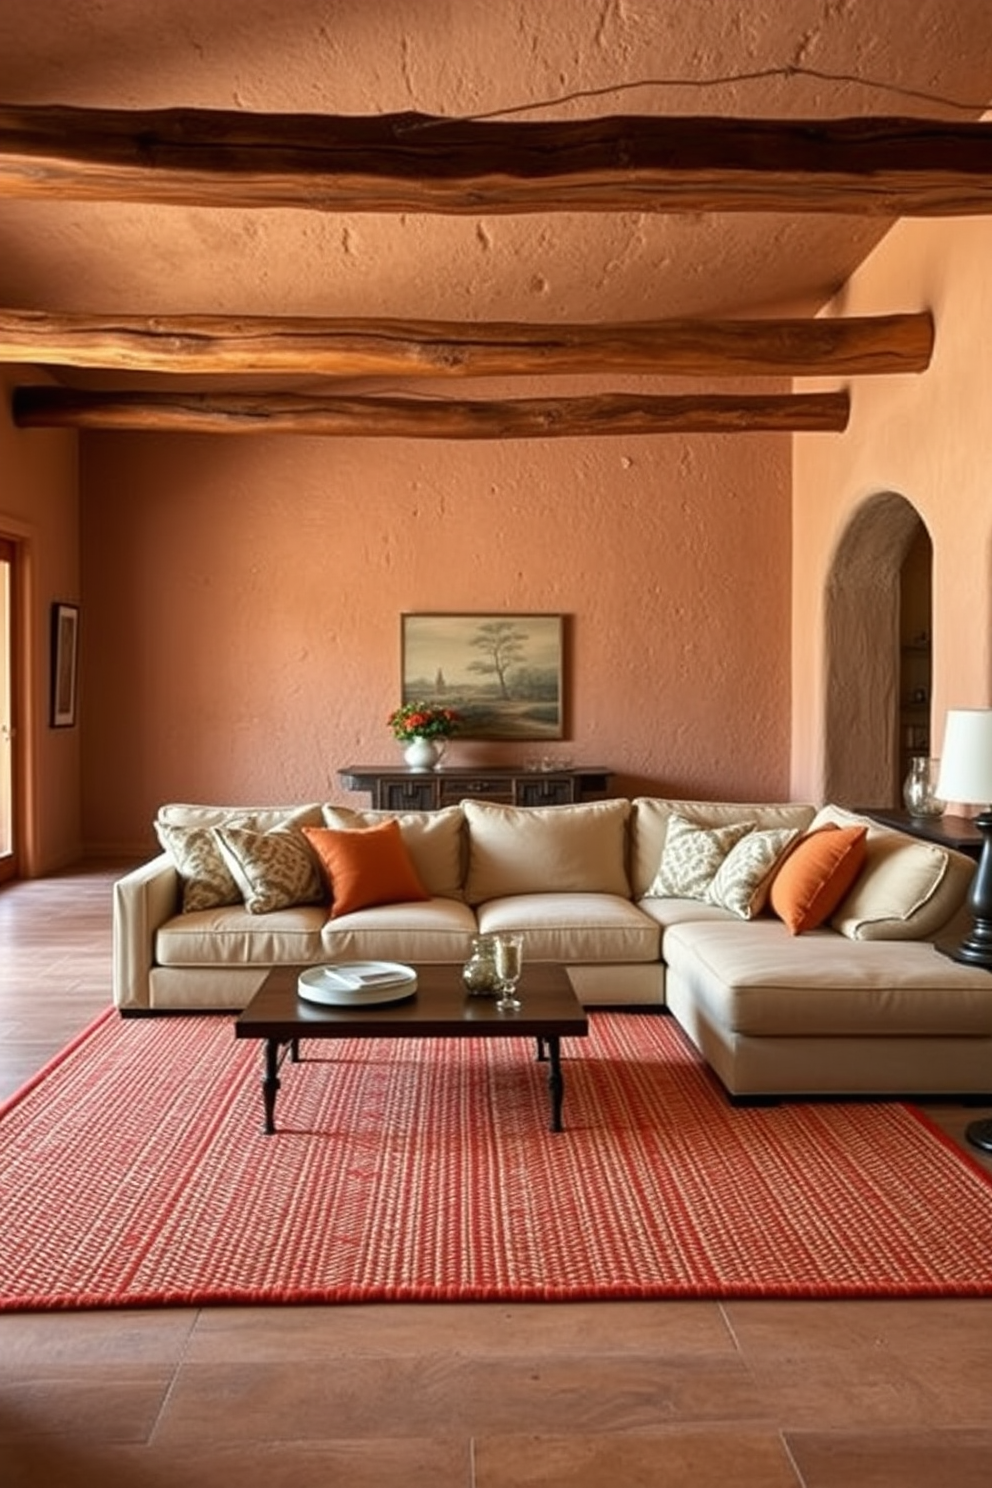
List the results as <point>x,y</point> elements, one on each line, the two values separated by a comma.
<point>503,673</point>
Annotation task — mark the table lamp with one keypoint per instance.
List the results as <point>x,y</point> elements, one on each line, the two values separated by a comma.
<point>966,775</point>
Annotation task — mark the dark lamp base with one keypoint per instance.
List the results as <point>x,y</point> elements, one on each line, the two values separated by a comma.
<point>976,948</point>
<point>971,951</point>
<point>979,1134</point>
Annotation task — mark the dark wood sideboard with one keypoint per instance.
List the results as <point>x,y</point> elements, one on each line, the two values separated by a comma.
<point>400,789</point>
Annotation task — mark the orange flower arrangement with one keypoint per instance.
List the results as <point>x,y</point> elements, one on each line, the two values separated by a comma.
<point>424,721</point>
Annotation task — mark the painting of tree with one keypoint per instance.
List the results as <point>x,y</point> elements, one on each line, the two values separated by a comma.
<point>503,673</point>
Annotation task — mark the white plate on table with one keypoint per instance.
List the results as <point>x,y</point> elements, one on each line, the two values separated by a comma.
<point>357,983</point>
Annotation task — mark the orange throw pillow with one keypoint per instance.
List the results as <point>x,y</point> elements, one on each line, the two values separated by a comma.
<point>816,875</point>
<point>365,866</point>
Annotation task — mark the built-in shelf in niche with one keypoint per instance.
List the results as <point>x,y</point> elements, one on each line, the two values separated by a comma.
<point>915,655</point>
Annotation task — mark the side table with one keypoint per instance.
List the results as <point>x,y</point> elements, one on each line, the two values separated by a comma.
<point>957,832</point>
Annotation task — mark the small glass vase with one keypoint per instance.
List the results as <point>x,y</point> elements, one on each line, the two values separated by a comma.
<point>479,972</point>
<point>919,791</point>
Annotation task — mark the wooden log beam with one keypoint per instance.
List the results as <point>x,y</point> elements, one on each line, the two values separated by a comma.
<point>413,418</point>
<point>886,167</point>
<point>408,348</point>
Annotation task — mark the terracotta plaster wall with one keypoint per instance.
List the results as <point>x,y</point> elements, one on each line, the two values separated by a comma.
<point>926,438</point>
<point>243,600</point>
<point>39,511</point>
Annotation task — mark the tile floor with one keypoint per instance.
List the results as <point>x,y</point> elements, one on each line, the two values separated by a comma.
<point>879,1394</point>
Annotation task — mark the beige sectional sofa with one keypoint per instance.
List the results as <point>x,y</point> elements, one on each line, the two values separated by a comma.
<point>863,1004</point>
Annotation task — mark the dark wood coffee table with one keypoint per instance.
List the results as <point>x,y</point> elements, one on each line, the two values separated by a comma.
<point>440,1008</point>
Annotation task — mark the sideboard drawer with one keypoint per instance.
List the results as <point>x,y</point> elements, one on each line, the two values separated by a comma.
<point>407,794</point>
<point>481,787</point>
<point>544,790</point>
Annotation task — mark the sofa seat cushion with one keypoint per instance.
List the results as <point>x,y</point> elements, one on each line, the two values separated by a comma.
<point>755,979</point>
<point>667,912</point>
<point>437,929</point>
<point>574,927</point>
<point>233,936</point>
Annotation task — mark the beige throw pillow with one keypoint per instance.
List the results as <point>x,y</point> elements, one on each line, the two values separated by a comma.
<point>743,879</point>
<point>207,881</point>
<point>546,849</point>
<point>907,890</point>
<point>274,870</point>
<point>691,857</point>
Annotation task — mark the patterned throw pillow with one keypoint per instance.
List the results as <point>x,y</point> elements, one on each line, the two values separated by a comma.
<point>274,870</point>
<point>745,876</point>
<point>206,879</point>
<point>691,856</point>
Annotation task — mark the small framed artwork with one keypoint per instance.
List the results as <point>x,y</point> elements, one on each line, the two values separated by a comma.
<point>502,673</point>
<point>65,664</point>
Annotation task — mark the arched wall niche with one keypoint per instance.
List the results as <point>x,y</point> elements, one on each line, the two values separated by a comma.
<point>862,652</point>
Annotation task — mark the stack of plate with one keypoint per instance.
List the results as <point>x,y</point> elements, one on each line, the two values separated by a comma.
<point>357,983</point>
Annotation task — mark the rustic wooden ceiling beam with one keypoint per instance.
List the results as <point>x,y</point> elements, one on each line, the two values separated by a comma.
<point>412,348</point>
<point>418,163</point>
<point>413,418</point>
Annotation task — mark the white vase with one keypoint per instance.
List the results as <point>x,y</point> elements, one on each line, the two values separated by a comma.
<point>422,754</point>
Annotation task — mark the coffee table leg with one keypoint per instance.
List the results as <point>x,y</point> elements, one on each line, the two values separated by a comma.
<point>556,1084</point>
<point>270,1084</point>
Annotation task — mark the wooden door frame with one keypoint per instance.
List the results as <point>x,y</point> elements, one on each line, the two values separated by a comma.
<point>11,552</point>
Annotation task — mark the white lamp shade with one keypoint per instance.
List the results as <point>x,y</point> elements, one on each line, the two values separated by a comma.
<point>966,758</point>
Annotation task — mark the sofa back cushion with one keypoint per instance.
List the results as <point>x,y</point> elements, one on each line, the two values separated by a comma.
<point>907,890</point>
<point>263,818</point>
<point>546,849</point>
<point>435,841</point>
<point>649,827</point>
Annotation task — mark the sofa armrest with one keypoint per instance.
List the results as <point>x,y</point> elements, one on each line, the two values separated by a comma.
<point>143,900</point>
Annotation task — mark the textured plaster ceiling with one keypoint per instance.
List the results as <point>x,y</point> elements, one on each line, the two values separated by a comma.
<point>466,57</point>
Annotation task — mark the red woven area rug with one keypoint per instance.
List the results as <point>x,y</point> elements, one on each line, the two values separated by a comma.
<point>133,1172</point>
